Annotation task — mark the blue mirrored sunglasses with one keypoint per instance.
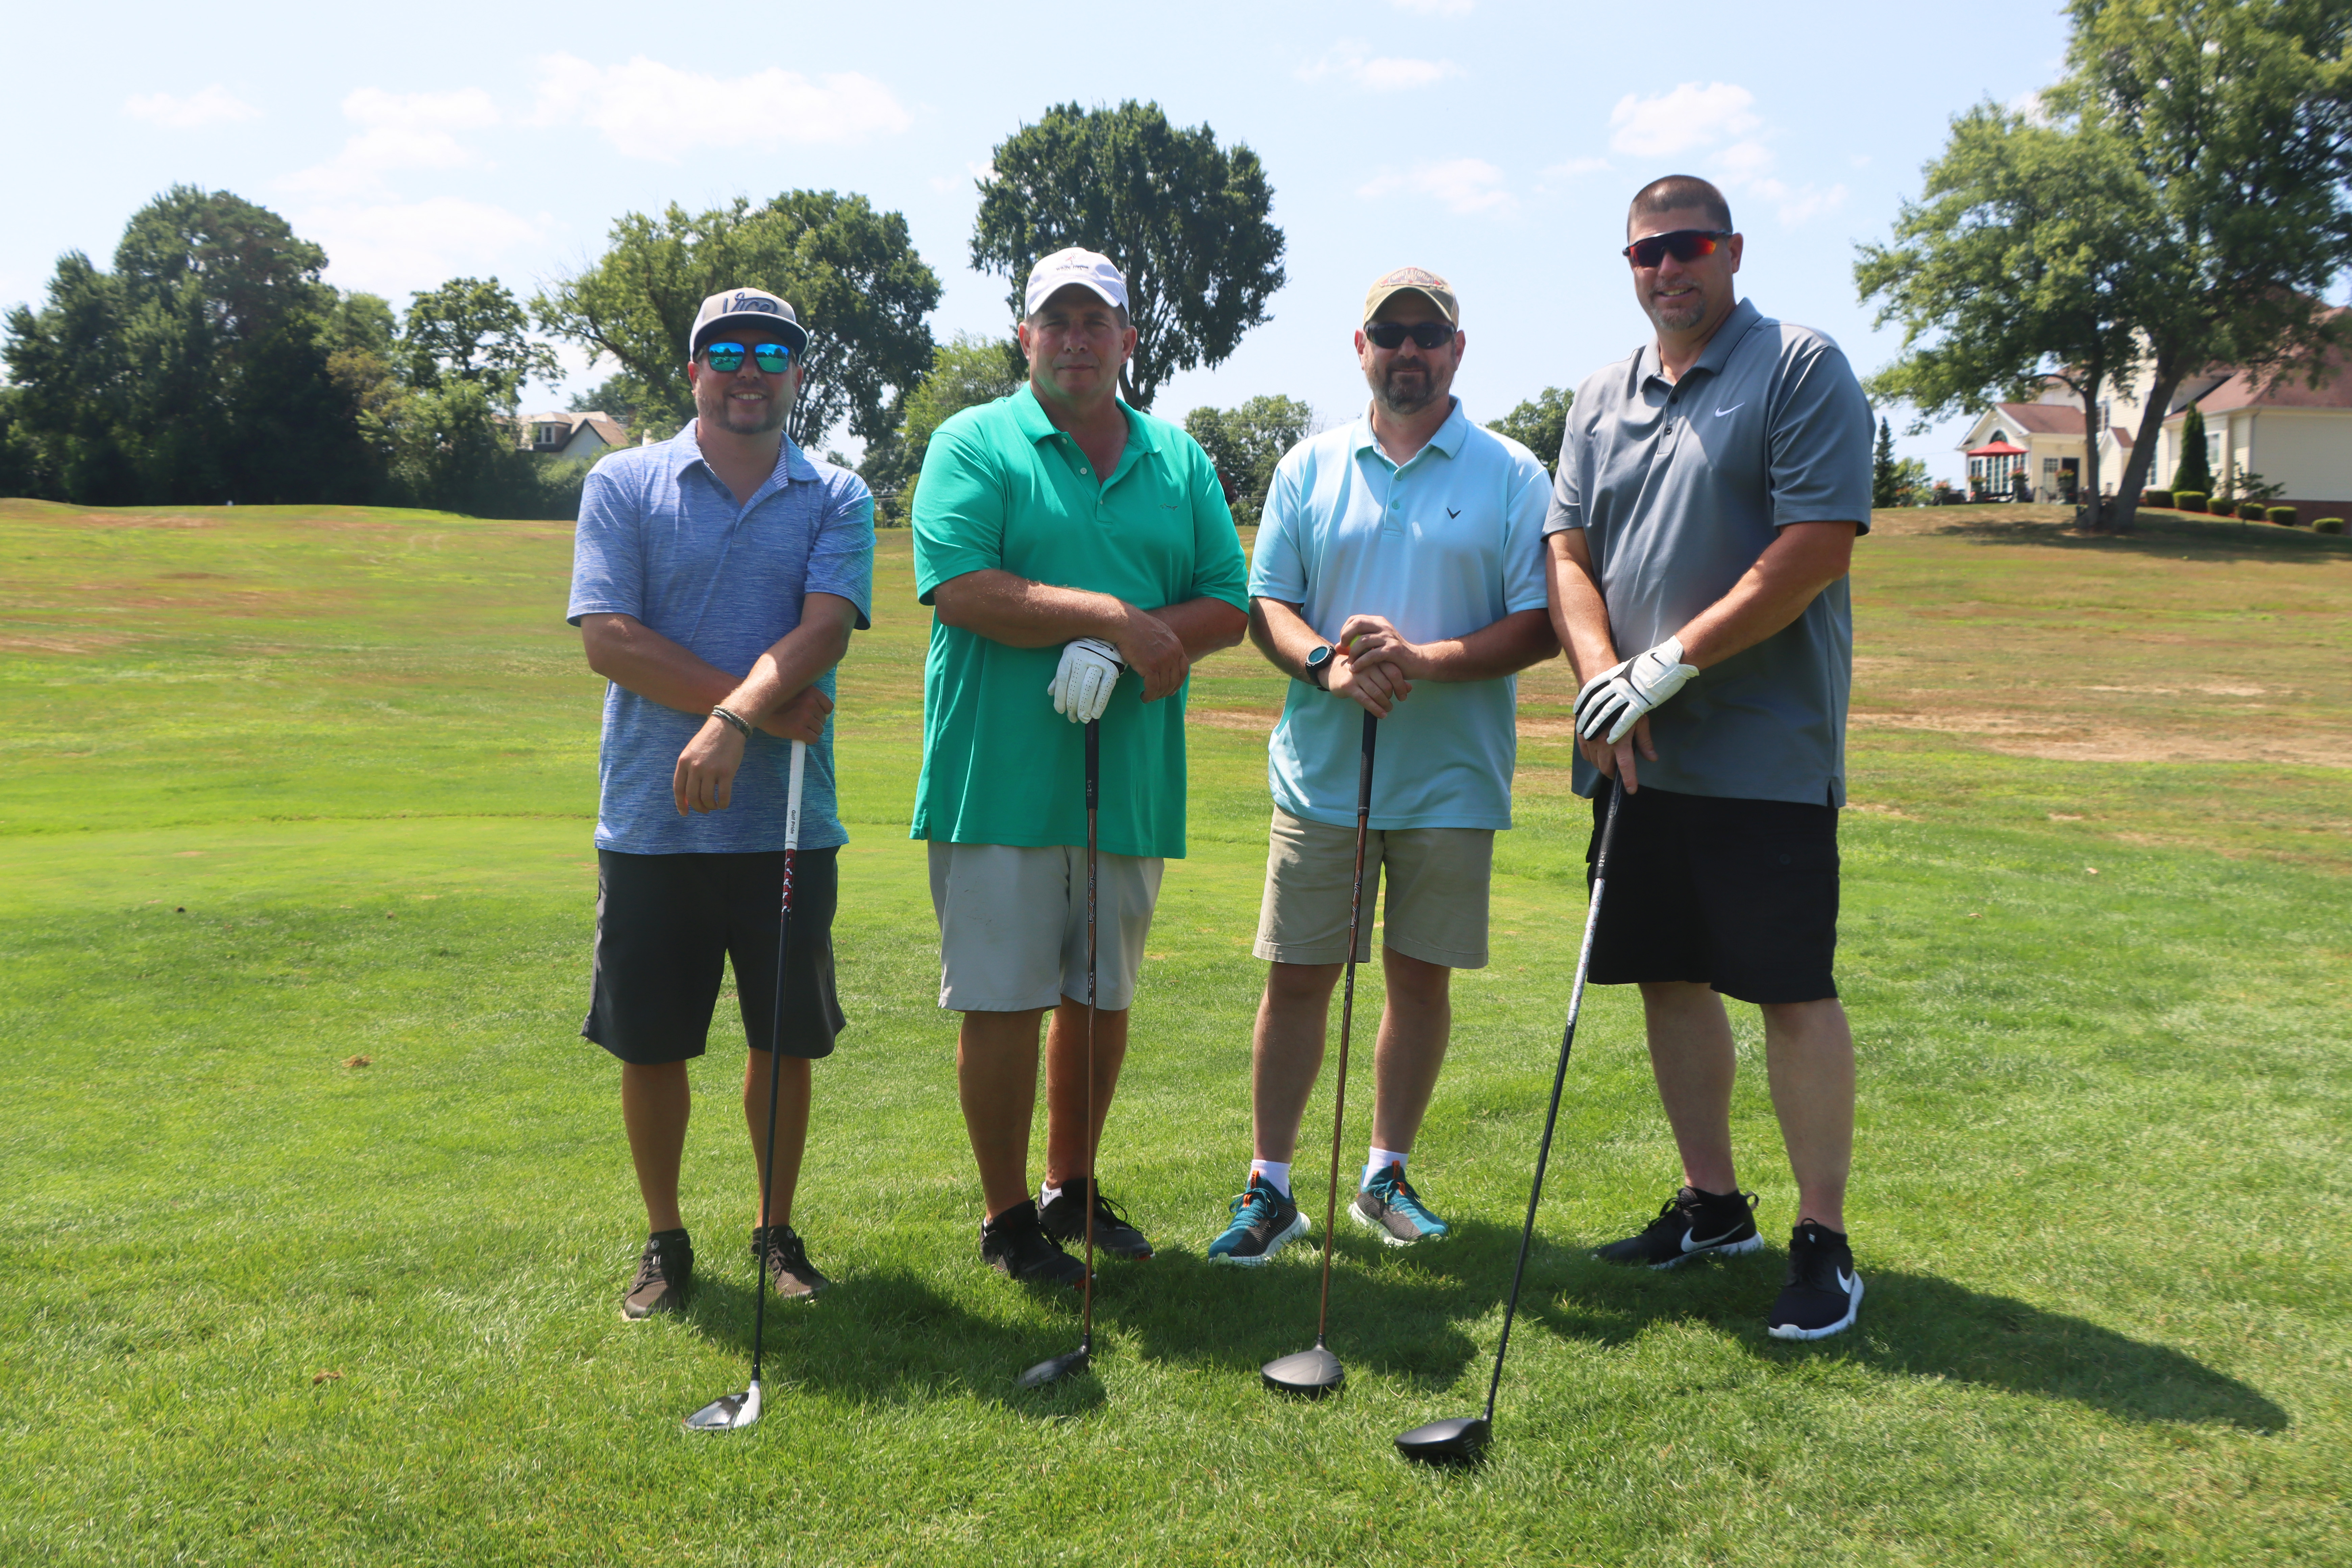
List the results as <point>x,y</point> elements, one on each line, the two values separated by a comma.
<point>773,359</point>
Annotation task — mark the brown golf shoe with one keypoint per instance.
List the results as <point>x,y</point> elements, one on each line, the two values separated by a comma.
<point>785,1260</point>
<point>664,1277</point>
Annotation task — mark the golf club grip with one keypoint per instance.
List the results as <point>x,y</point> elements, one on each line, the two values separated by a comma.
<point>1558,1080</point>
<point>1364,768</point>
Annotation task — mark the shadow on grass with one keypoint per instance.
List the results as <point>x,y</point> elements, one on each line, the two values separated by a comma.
<point>1913,1325</point>
<point>2161,533</point>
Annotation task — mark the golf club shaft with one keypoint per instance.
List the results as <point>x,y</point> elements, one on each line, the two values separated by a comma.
<point>1094,1177</point>
<point>775,1044</point>
<point>1558,1078</point>
<point>1347,1008</point>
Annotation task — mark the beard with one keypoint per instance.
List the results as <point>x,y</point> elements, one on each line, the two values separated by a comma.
<point>1682,316</point>
<point>753,418</point>
<point>1407,389</point>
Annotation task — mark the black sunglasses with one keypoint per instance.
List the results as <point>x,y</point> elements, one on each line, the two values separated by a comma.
<point>1687,244</point>
<point>1393,334</point>
<point>773,359</point>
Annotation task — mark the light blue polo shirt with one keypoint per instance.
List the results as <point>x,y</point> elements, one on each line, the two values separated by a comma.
<point>1443,545</point>
<point>661,540</point>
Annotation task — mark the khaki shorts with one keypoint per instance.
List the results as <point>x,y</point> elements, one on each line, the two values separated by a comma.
<point>1012,924</point>
<point>1437,892</point>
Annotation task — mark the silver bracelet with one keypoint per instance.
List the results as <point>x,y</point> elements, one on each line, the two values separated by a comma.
<point>733,722</point>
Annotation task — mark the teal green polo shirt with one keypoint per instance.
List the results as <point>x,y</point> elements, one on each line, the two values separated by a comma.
<point>1002,488</point>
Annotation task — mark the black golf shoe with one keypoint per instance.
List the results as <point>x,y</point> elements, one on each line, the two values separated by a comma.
<point>1693,1225</point>
<point>784,1260</point>
<point>665,1276</point>
<point>1264,1222</point>
<point>1015,1247</point>
<point>1823,1295</point>
<point>1065,1219</point>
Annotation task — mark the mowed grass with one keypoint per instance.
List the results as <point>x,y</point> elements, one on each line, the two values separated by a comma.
<point>284,789</point>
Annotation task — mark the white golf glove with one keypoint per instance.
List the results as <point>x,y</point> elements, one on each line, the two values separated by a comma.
<point>1616,699</point>
<point>1083,685</point>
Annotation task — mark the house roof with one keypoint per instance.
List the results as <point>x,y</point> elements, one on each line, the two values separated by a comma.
<point>2225,390</point>
<point>2043,418</point>
<point>608,426</point>
<point>1997,448</point>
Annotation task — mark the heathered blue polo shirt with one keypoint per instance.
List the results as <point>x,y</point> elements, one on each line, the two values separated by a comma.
<point>1442,545</point>
<point>1679,487</point>
<point>661,539</point>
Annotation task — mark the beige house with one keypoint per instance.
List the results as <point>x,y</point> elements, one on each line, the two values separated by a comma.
<point>2046,435</point>
<point>570,435</point>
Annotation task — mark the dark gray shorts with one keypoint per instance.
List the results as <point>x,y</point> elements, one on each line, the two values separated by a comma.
<point>666,925</point>
<point>1741,895</point>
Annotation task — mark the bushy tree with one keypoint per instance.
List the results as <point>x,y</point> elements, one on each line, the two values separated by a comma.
<point>2193,473</point>
<point>472,330</point>
<point>1244,444</point>
<point>1540,425</point>
<point>849,272</point>
<point>1186,220</point>
<point>965,372</point>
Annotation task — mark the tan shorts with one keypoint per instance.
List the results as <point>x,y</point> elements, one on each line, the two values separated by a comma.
<point>1012,924</point>
<point>1437,892</point>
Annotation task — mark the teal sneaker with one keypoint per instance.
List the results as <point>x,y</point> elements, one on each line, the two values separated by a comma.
<point>1264,1222</point>
<point>1391,1208</point>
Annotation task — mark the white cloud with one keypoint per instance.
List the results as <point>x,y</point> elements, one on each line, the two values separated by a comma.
<point>1463,185</point>
<point>397,248</point>
<point>1800,204</point>
<point>947,184</point>
<point>1352,61</point>
<point>1574,168</point>
<point>648,109</point>
<point>402,131</point>
<point>1435,8</point>
<point>214,105</point>
<point>2029,106</point>
<point>1690,116</point>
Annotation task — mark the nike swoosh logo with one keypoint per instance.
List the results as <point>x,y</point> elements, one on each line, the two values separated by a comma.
<point>1693,1244</point>
<point>1845,1282</point>
<point>1733,408</point>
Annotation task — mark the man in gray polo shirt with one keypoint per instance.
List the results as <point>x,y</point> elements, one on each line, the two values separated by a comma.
<point>1711,485</point>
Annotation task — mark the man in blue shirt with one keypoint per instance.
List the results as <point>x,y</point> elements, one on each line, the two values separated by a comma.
<point>716,579</point>
<point>1398,573</point>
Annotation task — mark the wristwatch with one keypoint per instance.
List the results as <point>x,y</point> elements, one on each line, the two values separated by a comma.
<point>1318,668</point>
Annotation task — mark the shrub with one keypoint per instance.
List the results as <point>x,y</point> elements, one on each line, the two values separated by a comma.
<point>2328,525</point>
<point>2251,511</point>
<point>2156,497</point>
<point>2284,516</point>
<point>2187,500</point>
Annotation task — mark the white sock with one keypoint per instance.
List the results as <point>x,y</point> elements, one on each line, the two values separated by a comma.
<point>1275,1170</point>
<point>1046,1194</point>
<point>1381,1159</point>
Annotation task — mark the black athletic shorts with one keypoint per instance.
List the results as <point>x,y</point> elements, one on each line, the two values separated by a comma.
<point>1741,895</point>
<point>666,924</point>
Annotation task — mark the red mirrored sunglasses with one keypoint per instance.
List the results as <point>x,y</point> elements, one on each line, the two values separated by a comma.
<point>1685,244</point>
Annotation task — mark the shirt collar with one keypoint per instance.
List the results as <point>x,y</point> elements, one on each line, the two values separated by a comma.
<point>1029,414</point>
<point>1448,439</point>
<point>1718,353</point>
<point>792,466</point>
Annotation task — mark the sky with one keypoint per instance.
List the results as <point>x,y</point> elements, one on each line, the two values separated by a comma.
<point>1495,143</point>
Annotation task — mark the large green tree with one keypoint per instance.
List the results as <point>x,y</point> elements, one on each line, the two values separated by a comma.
<point>1186,220</point>
<point>472,330</point>
<point>965,371</point>
<point>2025,261</point>
<point>1244,444</point>
<point>1540,425</point>
<point>850,273</point>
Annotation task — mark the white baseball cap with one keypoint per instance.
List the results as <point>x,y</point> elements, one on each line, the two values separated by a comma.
<point>1087,269</point>
<point>752,308</point>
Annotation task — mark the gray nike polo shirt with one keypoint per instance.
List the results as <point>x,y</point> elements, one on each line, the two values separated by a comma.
<point>1679,487</point>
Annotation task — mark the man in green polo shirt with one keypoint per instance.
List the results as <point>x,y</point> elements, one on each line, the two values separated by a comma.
<point>1079,557</point>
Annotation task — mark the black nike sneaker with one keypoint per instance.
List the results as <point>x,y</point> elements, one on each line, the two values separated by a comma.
<point>1065,1219</point>
<point>1015,1247</point>
<point>1823,1295</point>
<point>784,1258</point>
<point>1693,1225</point>
<point>665,1276</point>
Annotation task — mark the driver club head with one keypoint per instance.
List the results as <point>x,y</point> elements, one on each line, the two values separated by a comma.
<point>1310,1374</point>
<point>729,1413</point>
<point>1058,1368</point>
<point>1461,1440</point>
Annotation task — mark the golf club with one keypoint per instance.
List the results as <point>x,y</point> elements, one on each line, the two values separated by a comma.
<point>1061,1366</point>
<point>733,1411</point>
<point>1462,1440</point>
<point>1318,1372</point>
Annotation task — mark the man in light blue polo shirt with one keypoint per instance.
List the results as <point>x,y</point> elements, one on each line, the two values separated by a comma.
<point>715,581</point>
<point>1399,572</point>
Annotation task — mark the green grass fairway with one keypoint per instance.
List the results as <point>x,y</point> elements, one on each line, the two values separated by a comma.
<point>316,1207</point>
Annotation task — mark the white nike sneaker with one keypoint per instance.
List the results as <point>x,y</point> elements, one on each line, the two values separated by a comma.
<point>1823,1295</point>
<point>1693,1225</point>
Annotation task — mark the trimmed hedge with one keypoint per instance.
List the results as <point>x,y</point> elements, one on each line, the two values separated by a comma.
<point>2187,500</point>
<point>2328,525</point>
<point>2251,511</point>
<point>2156,497</point>
<point>2284,516</point>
